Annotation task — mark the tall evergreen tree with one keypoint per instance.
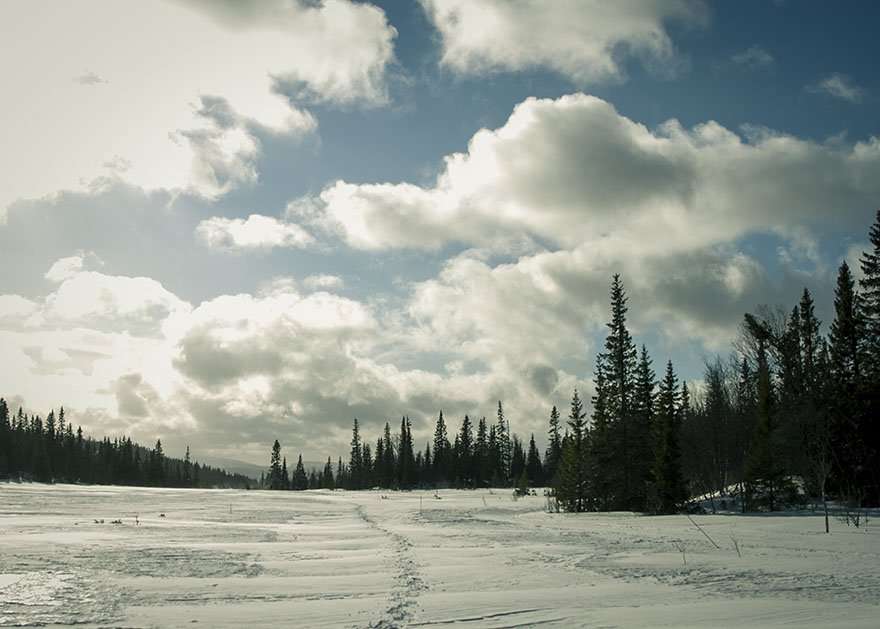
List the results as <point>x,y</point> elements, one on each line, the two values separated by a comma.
<point>764,471</point>
<point>327,481</point>
<point>502,439</point>
<point>641,432</point>
<point>276,480</point>
<point>464,453</point>
<point>671,492</point>
<point>553,455</point>
<point>299,481</point>
<point>481,465</point>
<point>441,452</point>
<point>285,476</point>
<point>600,451</point>
<point>572,489</point>
<point>620,363</point>
<point>870,299</point>
<point>355,460</point>
<point>534,469</point>
<point>846,340</point>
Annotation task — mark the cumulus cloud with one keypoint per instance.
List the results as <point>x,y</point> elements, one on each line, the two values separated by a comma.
<point>15,308</point>
<point>839,86</point>
<point>65,268</point>
<point>255,232</point>
<point>573,171</point>
<point>584,40</point>
<point>323,282</point>
<point>335,52</point>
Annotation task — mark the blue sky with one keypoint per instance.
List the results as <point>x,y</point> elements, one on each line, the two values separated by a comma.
<point>230,222</point>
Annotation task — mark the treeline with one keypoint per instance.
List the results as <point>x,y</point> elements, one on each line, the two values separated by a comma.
<point>50,450</point>
<point>487,454</point>
<point>792,413</point>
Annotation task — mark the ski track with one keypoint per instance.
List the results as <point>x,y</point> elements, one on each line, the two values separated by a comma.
<point>408,582</point>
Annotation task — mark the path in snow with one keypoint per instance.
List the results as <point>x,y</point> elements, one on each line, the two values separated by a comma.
<point>408,582</point>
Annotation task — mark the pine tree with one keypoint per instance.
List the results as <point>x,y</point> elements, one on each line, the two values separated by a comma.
<point>327,481</point>
<point>187,469</point>
<point>285,476</point>
<point>641,433</point>
<point>846,340</point>
<point>299,481</point>
<point>534,469</point>
<point>464,453</point>
<point>367,466</point>
<point>764,471</point>
<point>572,490</point>
<point>853,394</point>
<point>517,458</point>
<point>355,461</point>
<point>389,466</point>
<point>870,299</point>
<point>157,465</point>
<point>620,367</point>
<point>481,471</point>
<point>554,447</point>
<point>275,478</point>
<point>502,440</point>
<point>669,480</point>
<point>406,457</point>
<point>600,451</point>
<point>441,452</point>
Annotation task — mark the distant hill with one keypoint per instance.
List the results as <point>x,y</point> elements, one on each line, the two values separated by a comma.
<point>232,465</point>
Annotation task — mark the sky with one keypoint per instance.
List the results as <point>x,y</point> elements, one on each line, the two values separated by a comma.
<point>223,223</point>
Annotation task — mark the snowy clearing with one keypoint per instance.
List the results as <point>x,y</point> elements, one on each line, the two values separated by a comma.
<point>231,558</point>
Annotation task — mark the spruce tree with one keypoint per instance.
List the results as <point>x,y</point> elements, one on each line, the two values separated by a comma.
<point>620,367</point>
<point>502,439</point>
<point>669,480</point>
<point>517,458</point>
<point>355,460</point>
<point>870,300</point>
<point>846,340</point>
<point>481,473</point>
<point>534,469</point>
<point>299,481</point>
<point>389,466</point>
<point>187,469</point>
<point>464,453</point>
<point>275,478</point>
<point>572,490</point>
<point>764,472</point>
<point>441,452</point>
<point>641,433</point>
<point>600,451</point>
<point>327,481</point>
<point>554,447</point>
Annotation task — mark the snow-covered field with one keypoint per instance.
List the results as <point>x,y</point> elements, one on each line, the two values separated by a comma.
<point>359,559</point>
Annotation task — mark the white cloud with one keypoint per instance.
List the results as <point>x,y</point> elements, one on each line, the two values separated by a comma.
<point>754,57</point>
<point>57,132</point>
<point>573,171</point>
<point>15,308</point>
<point>64,268</point>
<point>584,40</point>
<point>255,232</point>
<point>323,282</point>
<point>839,86</point>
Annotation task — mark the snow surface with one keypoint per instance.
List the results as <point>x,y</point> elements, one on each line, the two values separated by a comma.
<point>393,559</point>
